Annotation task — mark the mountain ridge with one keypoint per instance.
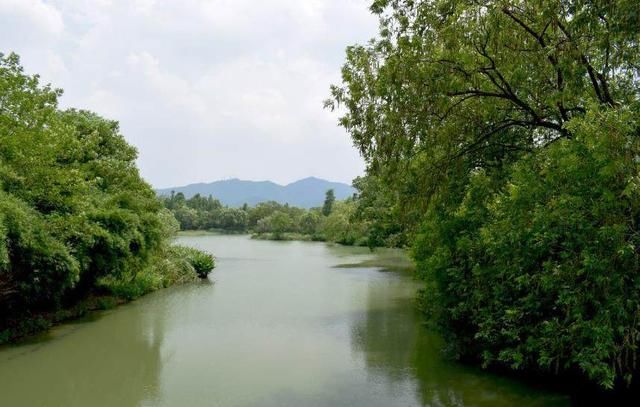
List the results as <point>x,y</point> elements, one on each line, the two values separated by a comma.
<point>305,193</point>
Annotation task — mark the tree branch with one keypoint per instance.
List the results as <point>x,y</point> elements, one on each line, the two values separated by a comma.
<point>598,80</point>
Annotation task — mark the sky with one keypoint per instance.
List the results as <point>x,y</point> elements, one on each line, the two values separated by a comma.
<point>205,89</point>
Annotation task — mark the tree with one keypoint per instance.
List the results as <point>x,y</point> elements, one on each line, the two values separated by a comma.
<point>261,211</point>
<point>341,227</point>
<point>309,223</point>
<point>453,86</point>
<point>505,129</point>
<point>74,209</point>
<point>389,222</point>
<point>329,199</point>
<point>278,223</point>
<point>233,219</point>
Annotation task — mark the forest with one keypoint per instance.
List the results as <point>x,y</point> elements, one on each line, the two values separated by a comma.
<point>347,222</point>
<point>507,136</point>
<point>79,227</point>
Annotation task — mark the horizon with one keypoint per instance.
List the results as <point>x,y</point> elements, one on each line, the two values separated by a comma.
<point>189,83</point>
<point>250,180</point>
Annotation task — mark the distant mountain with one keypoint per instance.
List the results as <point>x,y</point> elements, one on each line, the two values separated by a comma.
<point>306,193</point>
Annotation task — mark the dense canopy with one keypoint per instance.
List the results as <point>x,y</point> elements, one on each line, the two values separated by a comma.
<point>75,215</point>
<point>508,131</point>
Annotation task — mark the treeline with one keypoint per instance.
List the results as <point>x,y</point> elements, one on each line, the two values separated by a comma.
<point>341,222</point>
<point>76,218</point>
<point>505,136</point>
<point>200,213</point>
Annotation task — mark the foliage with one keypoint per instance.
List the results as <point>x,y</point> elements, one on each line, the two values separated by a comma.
<point>201,262</point>
<point>37,268</point>
<point>199,213</point>
<point>277,223</point>
<point>173,265</point>
<point>329,200</point>
<point>337,221</point>
<point>74,211</point>
<point>525,272</point>
<point>339,226</point>
<point>388,222</point>
<point>500,137</point>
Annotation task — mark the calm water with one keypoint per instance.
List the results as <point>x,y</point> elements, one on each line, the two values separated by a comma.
<point>278,325</point>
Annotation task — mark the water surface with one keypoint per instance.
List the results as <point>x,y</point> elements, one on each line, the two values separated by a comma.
<point>277,325</point>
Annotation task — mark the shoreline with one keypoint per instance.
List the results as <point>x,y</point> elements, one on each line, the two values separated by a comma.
<point>178,265</point>
<point>33,326</point>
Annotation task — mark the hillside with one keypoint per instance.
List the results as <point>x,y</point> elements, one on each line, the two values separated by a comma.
<point>305,193</point>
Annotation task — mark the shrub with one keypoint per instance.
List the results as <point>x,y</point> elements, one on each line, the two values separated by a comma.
<point>173,265</point>
<point>203,263</point>
<point>544,273</point>
<point>198,262</point>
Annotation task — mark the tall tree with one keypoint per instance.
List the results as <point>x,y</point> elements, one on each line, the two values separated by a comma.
<point>73,207</point>
<point>456,85</point>
<point>329,200</point>
<point>507,129</point>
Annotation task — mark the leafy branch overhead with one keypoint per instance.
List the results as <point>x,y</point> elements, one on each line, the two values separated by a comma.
<point>452,80</point>
<point>505,135</point>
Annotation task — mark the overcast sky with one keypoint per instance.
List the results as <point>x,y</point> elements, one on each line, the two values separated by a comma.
<point>205,89</point>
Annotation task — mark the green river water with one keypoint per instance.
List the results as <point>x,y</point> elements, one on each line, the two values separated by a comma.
<point>277,324</point>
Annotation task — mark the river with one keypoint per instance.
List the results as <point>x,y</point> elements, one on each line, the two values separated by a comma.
<point>277,324</point>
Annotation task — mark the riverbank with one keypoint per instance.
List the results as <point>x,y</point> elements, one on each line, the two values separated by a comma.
<point>175,266</point>
<point>211,232</point>
<point>28,326</point>
<point>276,237</point>
<point>286,237</point>
<point>282,326</point>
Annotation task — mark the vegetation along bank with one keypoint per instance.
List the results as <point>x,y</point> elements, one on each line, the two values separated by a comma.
<point>507,133</point>
<point>79,227</point>
<point>362,220</point>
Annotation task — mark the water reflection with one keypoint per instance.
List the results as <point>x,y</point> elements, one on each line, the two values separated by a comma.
<point>397,348</point>
<point>92,362</point>
<point>282,326</point>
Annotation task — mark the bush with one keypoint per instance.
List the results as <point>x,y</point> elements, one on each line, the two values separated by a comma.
<point>130,287</point>
<point>203,263</point>
<point>174,265</point>
<point>341,227</point>
<point>73,207</point>
<point>544,273</point>
<point>199,262</point>
<point>76,217</point>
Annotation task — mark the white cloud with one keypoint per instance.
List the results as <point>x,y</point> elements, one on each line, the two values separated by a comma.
<point>165,86</point>
<point>205,89</point>
<point>29,20</point>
